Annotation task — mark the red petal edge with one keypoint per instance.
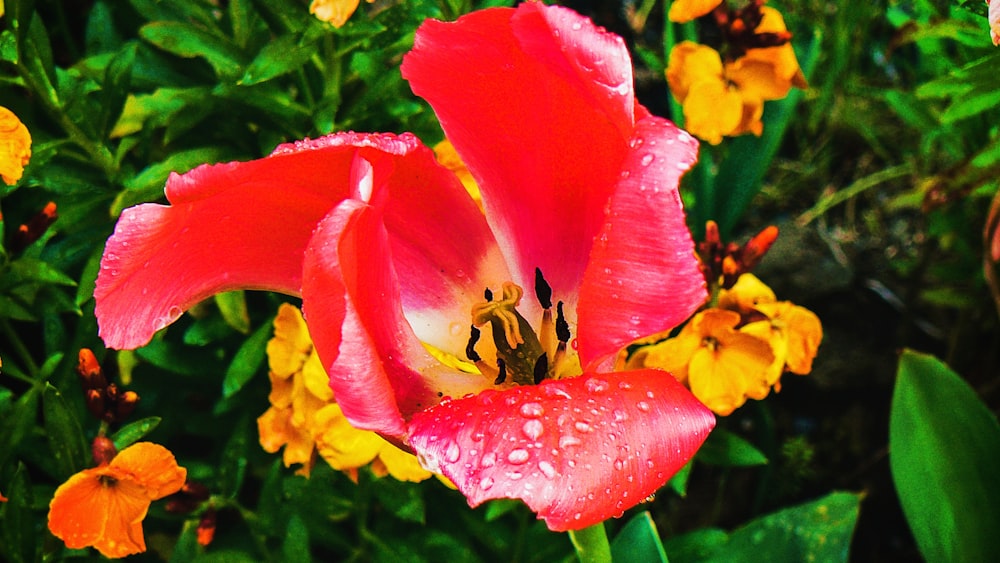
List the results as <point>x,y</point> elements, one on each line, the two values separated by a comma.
<point>643,276</point>
<point>576,451</point>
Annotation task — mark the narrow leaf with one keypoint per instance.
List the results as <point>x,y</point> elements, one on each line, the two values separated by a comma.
<point>65,435</point>
<point>134,431</point>
<point>638,542</point>
<point>247,361</point>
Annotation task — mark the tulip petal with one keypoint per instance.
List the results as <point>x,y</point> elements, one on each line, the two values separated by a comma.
<point>246,225</point>
<point>379,370</point>
<point>577,451</point>
<point>643,276</point>
<point>538,102</point>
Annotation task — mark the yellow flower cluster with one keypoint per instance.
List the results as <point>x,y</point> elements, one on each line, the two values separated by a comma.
<point>739,348</point>
<point>723,96</point>
<point>305,419</point>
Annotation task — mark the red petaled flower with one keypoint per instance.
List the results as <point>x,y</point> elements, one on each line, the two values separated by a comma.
<point>390,255</point>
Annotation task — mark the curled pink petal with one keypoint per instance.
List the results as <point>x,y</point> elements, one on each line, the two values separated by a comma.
<point>577,451</point>
<point>643,276</point>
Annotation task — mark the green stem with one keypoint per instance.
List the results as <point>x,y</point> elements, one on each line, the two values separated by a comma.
<point>591,544</point>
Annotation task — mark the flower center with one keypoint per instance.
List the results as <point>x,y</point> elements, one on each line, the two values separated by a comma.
<point>523,355</point>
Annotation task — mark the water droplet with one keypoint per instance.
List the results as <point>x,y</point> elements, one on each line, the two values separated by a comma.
<point>620,415</point>
<point>625,173</point>
<point>635,320</point>
<point>533,429</point>
<point>456,328</point>
<point>596,385</point>
<point>643,406</point>
<point>650,463</point>
<point>584,427</point>
<point>452,452</point>
<point>518,456</point>
<point>647,159</point>
<point>532,410</point>
<point>486,483</point>
<point>514,475</point>
<point>489,460</point>
<point>568,440</point>
<point>577,26</point>
<point>619,464</point>
<point>478,436</point>
<point>577,516</point>
<point>547,469</point>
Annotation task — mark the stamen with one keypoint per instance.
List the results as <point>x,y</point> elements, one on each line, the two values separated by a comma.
<point>543,291</point>
<point>541,368</point>
<point>502,377</point>
<point>502,312</point>
<point>515,340</point>
<point>470,348</point>
<point>562,327</point>
<point>488,295</point>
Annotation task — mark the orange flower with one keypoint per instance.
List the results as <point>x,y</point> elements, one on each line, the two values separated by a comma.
<point>447,156</point>
<point>104,506</point>
<point>15,147</point>
<point>305,419</point>
<point>336,12</point>
<point>721,365</point>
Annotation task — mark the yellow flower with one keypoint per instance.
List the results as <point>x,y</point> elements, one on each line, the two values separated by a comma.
<point>104,506</point>
<point>336,12</point>
<point>686,10</point>
<point>15,147</point>
<point>793,332</point>
<point>726,99</point>
<point>305,419</point>
<point>721,365</point>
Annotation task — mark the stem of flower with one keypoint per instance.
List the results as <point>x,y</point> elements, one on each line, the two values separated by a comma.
<point>591,544</point>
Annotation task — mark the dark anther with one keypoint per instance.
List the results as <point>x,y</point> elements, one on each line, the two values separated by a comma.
<point>541,368</point>
<point>562,327</point>
<point>488,294</point>
<point>470,348</point>
<point>502,376</point>
<point>543,291</point>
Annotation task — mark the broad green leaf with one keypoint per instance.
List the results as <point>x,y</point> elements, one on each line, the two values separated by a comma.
<point>944,451</point>
<point>115,89</point>
<point>233,306</point>
<point>678,483</point>
<point>638,542</point>
<point>134,431</point>
<point>190,41</point>
<point>820,530</point>
<point>729,450</point>
<point>247,361</point>
<point>401,499</point>
<point>233,466</point>
<point>65,435</point>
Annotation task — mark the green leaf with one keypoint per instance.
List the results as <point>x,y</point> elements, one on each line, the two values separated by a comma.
<point>17,422</point>
<point>729,450</point>
<point>134,431</point>
<point>114,90</point>
<point>281,56</point>
<point>972,103</point>
<point>402,499</point>
<point>944,451</point>
<point>233,306</point>
<point>65,435</point>
<point>678,483</point>
<point>190,41</point>
<point>18,530</point>
<point>820,530</point>
<point>247,361</point>
<point>638,542</point>
<point>233,466</point>
<point>296,544</point>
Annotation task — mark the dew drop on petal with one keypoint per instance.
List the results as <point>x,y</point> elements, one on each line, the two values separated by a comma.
<point>568,440</point>
<point>533,429</point>
<point>452,452</point>
<point>647,159</point>
<point>643,406</point>
<point>518,456</point>
<point>583,427</point>
<point>596,385</point>
<point>486,483</point>
<point>532,410</point>
<point>547,469</point>
<point>489,459</point>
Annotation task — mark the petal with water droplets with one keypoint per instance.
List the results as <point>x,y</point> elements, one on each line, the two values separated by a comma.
<point>572,450</point>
